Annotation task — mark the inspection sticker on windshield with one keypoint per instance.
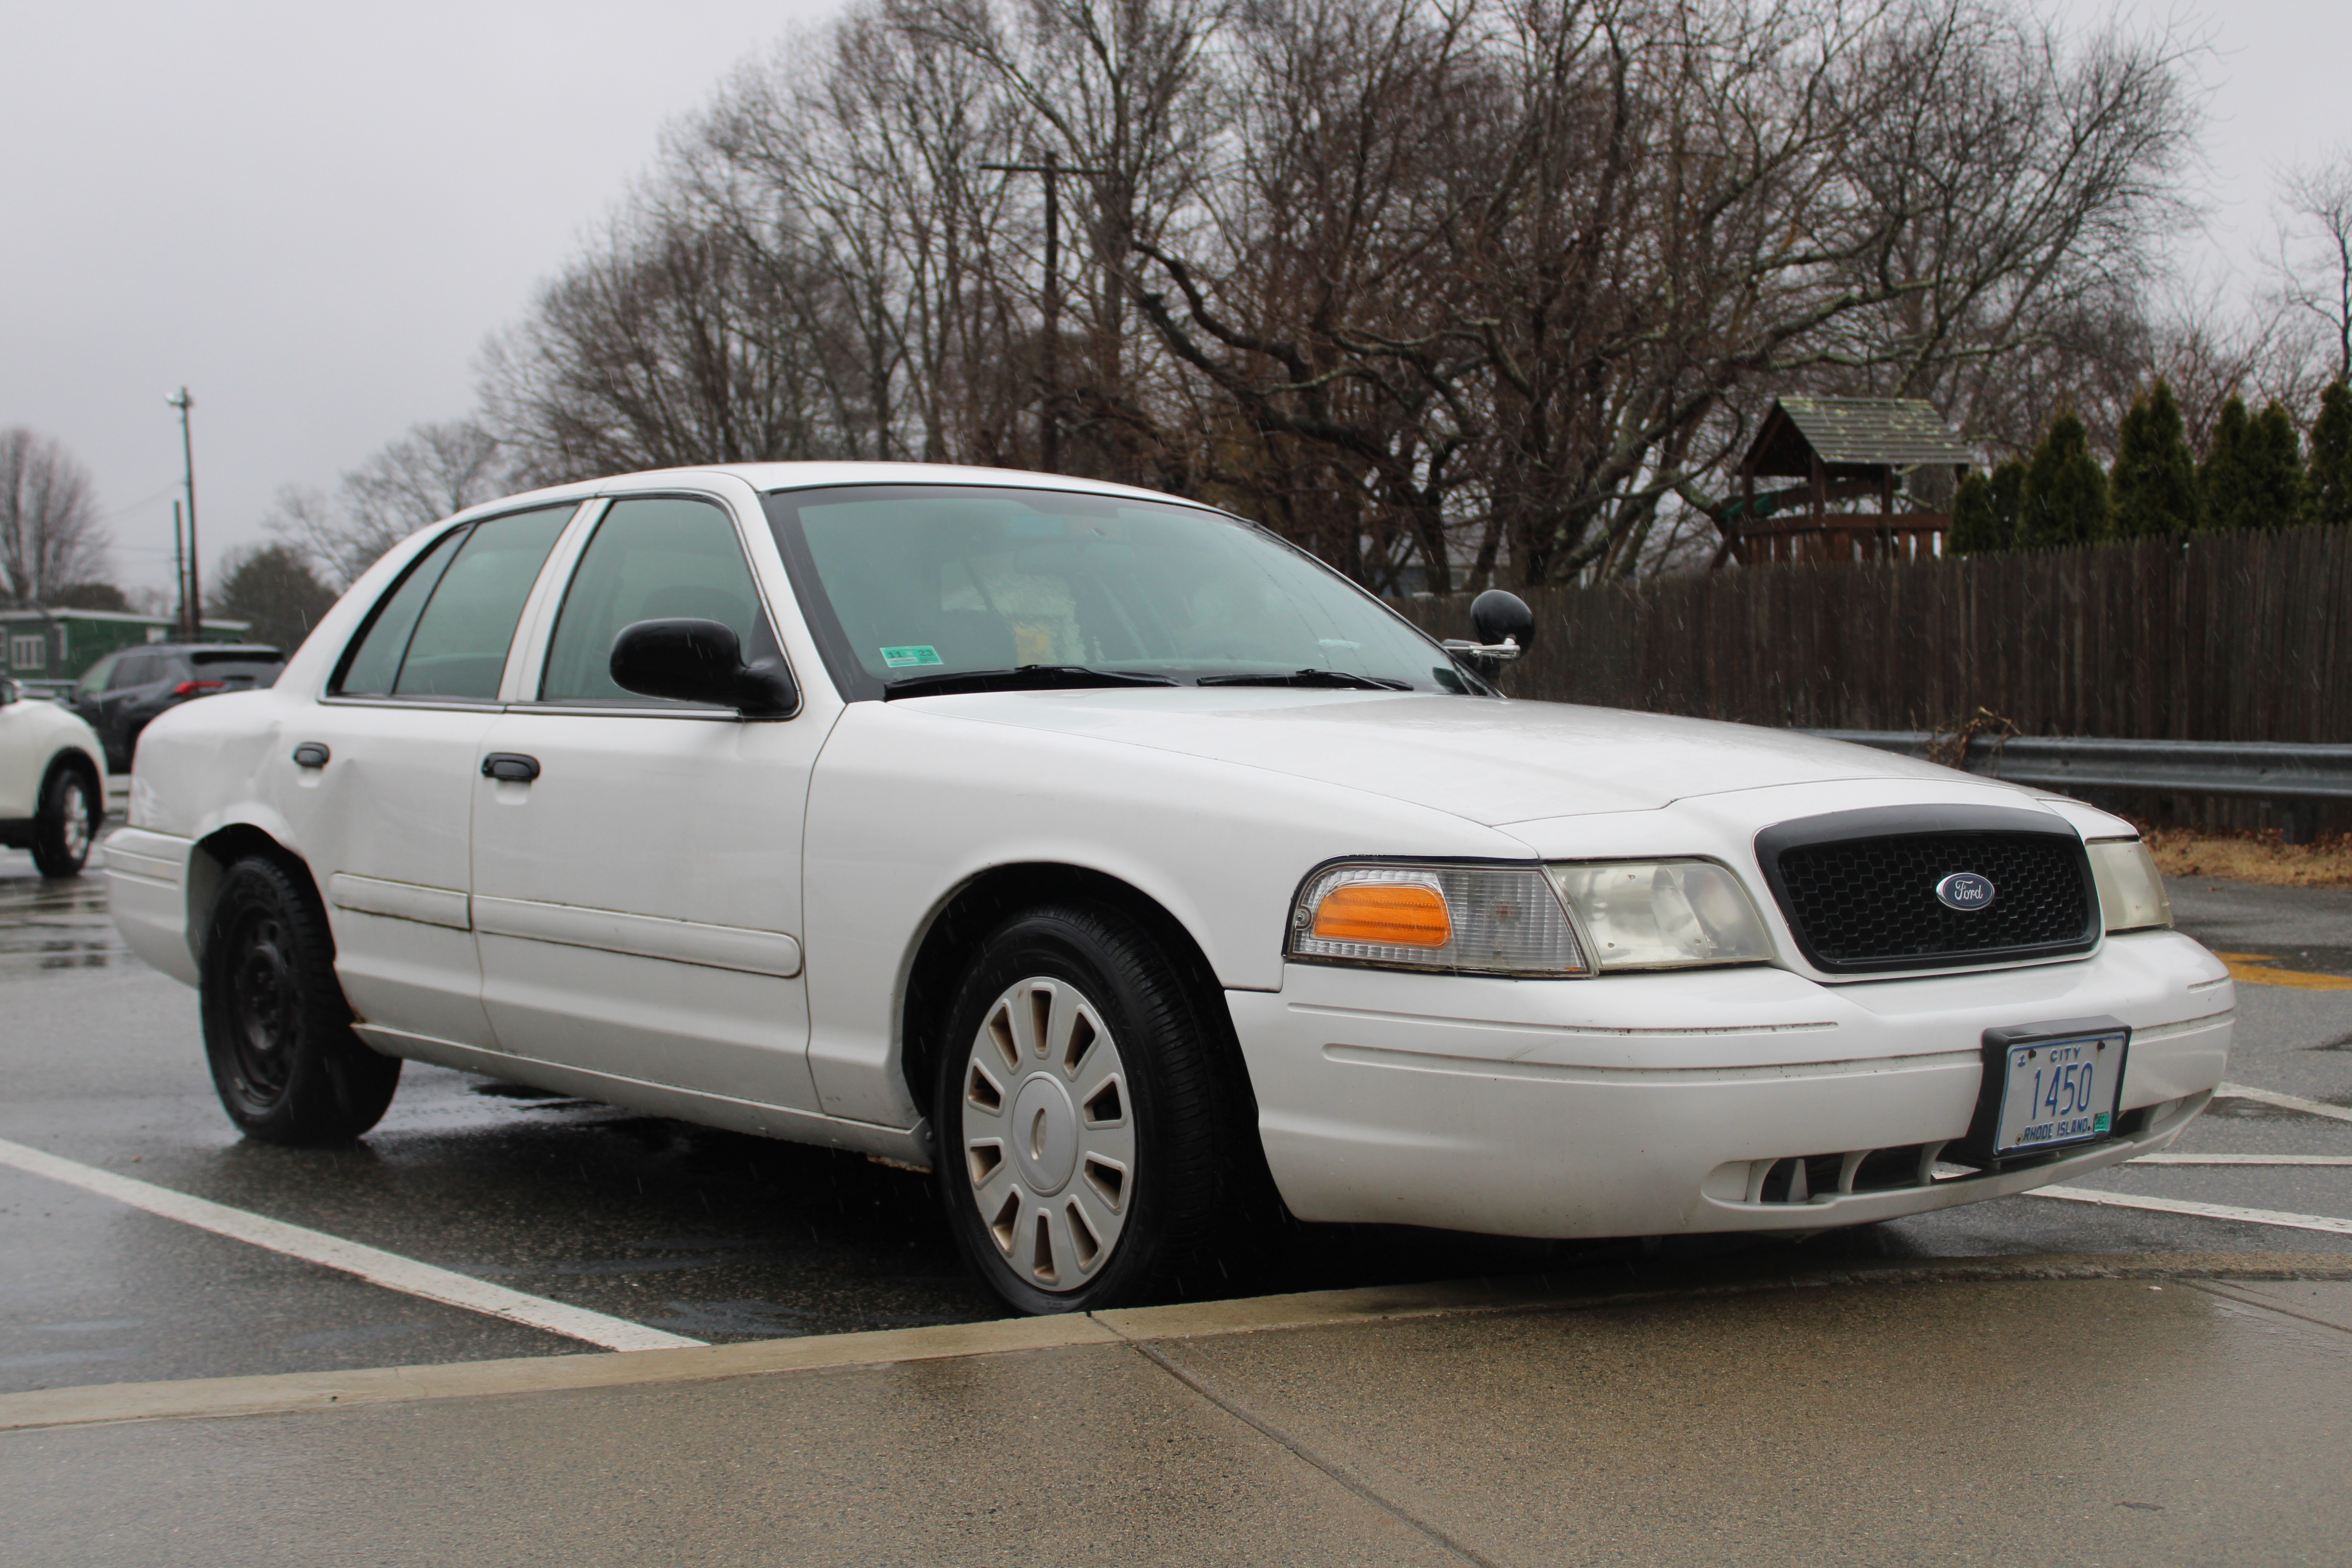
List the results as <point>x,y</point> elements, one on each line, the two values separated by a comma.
<point>901,658</point>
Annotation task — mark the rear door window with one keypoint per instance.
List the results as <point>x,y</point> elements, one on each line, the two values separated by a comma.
<point>445,630</point>
<point>374,664</point>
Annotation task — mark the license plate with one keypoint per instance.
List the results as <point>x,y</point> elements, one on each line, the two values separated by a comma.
<point>2056,1084</point>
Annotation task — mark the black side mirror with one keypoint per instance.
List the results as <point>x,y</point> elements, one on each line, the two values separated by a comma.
<point>700,662</point>
<point>1499,616</point>
<point>1505,627</point>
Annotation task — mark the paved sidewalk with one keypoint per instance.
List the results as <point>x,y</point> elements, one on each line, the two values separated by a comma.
<point>2173,1408</point>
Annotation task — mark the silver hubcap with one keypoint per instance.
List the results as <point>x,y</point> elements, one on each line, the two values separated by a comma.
<point>77,809</point>
<point>1049,1133</point>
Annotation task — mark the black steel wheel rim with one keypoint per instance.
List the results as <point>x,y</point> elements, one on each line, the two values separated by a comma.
<point>263,1005</point>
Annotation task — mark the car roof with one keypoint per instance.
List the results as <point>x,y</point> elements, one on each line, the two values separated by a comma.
<point>769,477</point>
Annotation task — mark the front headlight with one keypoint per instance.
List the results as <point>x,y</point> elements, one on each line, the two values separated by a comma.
<point>1664,914</point>
<point>1466,920</point>
<point>1557,921</point>
<point>2131,889</point>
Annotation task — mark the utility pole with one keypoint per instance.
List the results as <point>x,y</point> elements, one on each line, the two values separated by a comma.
<point>191,591</point>
<point>179,567</point>
<point>1049,421</point>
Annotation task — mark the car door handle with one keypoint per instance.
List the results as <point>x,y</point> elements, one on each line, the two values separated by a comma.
<point>311,754</point>
<point>512,767</point>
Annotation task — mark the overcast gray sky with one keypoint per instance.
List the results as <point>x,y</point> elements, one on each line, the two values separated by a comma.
<point>312,215</point>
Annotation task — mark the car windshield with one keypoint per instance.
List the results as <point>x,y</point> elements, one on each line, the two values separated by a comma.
<point>905,584</point>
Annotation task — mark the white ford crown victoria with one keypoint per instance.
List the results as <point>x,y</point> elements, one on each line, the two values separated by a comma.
<point>1112,859</point>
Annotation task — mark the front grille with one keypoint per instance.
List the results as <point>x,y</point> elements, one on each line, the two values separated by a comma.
<point>1864,901</point>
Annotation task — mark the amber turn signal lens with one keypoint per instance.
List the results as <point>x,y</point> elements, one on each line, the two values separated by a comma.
<point>1394,914</point>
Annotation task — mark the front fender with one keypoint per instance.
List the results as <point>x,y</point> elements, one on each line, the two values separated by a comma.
<point>906,806</point>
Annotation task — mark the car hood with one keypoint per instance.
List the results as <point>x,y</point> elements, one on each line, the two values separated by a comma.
<point>1492,762</point>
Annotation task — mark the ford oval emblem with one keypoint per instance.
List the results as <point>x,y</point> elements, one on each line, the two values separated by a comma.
<point>1965,891</point>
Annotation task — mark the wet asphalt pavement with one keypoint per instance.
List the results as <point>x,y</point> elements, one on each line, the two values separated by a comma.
<point>720,1237</point>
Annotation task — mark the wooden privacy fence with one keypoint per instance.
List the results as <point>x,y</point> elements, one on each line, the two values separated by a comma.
<point>2238,636</point>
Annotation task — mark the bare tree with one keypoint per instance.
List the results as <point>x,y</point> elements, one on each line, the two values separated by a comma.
<point>432,471</point>
<point>1126,94</point>
<point>272,588</point>
<point>49,534</point>
<point>855,162</point>
<point>1513,264</point>
<point>2314,260</point>
<point>675,342</point>
<point>1446,289</point>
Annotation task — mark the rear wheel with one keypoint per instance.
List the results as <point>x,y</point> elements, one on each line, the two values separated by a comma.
<point>1094,1147</point>
<point>277,1029</point>
<point>67,824</point>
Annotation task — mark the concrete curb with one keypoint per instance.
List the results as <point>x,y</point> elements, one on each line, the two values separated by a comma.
<point>295,1393</point>
<point>286,1393</point>
<point>1634,1285</point>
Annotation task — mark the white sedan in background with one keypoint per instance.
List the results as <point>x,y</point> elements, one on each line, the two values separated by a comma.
<point>52,781</point>
<point>1124,866</point>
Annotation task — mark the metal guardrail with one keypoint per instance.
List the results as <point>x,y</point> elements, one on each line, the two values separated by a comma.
<point>2303,778</point>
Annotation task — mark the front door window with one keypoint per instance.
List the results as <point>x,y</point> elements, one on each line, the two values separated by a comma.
<point>651,559</point>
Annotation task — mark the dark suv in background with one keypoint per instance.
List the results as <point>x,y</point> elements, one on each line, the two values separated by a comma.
<point>121,692</point>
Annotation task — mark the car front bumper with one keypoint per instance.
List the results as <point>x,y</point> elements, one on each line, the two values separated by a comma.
<point>1674,1102</point>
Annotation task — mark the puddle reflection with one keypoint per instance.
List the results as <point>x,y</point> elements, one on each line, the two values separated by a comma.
<point>47,926</point>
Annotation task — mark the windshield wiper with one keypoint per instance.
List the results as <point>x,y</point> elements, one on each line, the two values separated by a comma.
<point>1027,677</point>
<point>1311,678</point>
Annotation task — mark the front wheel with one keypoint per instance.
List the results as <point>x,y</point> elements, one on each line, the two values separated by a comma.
<point>67,824</point>
<point>1094,1146</point>
<point>278,1031</point>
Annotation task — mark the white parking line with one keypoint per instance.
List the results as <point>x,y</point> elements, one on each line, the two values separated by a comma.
<point>2207,1211</point>
<point>2243,1159</point>
<point>371,1264</point>
<point>2287,1102</point>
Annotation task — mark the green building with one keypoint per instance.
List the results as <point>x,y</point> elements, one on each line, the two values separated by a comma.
<point>54,646</point>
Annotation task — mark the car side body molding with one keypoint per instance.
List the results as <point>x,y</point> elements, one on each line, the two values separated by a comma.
<point>399,901</point>
<point>645,936</point>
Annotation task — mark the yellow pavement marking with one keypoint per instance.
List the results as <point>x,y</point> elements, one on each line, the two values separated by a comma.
<point>2262,969</point>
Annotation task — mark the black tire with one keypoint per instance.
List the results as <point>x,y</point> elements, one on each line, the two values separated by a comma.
<point>72,807</point>
<point>1192,1187</point>
<point>277,1029</point>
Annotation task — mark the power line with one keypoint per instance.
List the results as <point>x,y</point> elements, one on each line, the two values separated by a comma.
<point>148,500</point>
